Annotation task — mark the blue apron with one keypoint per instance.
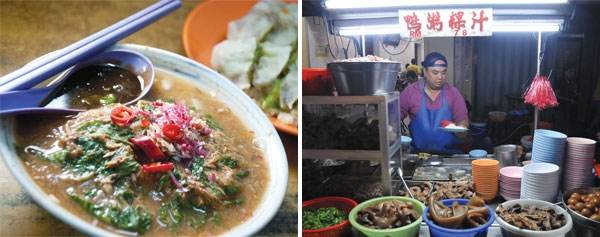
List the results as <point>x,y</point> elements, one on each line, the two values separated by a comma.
<point>426,133</point>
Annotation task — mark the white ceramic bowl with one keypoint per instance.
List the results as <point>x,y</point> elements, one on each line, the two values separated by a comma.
<point>515,231</point>
<point>224,90</point>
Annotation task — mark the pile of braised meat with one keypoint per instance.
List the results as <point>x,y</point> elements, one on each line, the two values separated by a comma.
<point>387,215</point>
<point>531,217</point>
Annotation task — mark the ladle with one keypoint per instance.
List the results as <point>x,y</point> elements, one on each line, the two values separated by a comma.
<point>32,100</point>
<point>401,174</point>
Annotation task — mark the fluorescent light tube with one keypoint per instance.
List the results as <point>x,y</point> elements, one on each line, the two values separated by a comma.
<point>340,4</point>
<point>549,25</point>
<point>370,30</point>
<point>526,28</point>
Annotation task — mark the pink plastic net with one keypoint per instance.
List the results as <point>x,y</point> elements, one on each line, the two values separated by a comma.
<point>540,93</point>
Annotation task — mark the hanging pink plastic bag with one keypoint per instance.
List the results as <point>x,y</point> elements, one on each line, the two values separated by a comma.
<point>540,93</point>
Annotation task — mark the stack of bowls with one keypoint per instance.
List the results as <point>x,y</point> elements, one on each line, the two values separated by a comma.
<point>578,160</point>
<point>510,182</point>
<point>485,177</point>
<point>548,147</point>
<point>540,181</point>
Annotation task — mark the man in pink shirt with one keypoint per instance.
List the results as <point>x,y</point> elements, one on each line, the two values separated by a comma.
<point>428,102</point>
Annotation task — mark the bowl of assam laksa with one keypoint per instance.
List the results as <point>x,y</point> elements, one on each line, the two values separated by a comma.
<point>195,156</point>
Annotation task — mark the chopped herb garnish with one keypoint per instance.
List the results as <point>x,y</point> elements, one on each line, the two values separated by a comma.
<point>211,122</point>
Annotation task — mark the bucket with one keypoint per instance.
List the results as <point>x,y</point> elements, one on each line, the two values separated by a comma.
<point>478,134</point>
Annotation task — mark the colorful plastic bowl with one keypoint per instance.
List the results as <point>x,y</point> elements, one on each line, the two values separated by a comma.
<point>436,230</point>
<point>411,229</point>
<point>478,153</point>
<point>341,203</point>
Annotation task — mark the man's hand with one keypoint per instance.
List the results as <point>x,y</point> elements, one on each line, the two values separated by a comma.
<point>464,124</point>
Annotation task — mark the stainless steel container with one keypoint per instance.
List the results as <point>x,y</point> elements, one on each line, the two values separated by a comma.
<point>583,226</point>
<point>506,155</point>
<point>364,78</point>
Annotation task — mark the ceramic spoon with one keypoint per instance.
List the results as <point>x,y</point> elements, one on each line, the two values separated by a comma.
<point>33,100</point>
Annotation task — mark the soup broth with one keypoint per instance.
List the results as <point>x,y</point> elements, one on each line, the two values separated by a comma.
<point>96,85</point>
<point>163,193</point>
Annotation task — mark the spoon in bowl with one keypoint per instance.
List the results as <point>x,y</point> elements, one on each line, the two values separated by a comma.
<point>401,174</point>
<point>87,85</point>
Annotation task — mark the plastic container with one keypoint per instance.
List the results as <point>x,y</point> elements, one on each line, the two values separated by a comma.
<point>316,81</point>
<point>518,115</point>
<point>341,203</point>
<point>436,230</point>
<point>411,229</point>
<point>511,230</point>
<point>478,153</point>
<point>497,116</point>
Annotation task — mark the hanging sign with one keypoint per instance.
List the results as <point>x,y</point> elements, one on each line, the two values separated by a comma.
<point>446,22</point>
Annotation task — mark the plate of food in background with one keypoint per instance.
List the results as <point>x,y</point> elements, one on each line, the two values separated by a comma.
<point>255,45</point>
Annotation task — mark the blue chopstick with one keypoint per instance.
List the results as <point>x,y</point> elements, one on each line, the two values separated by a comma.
<point>51,64</point>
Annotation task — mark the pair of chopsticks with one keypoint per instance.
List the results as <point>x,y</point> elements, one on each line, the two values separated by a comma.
<point>51,64</point>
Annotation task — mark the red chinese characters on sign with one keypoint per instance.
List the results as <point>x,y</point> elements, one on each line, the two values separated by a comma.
<point>412,22</point>
<point>446,22</point>
<point>456,22</point>
<point>434,22</point>
<point>479,21</point>
<point>413,25</point>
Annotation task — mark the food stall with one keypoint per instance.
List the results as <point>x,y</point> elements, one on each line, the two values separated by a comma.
<point>339,32</point>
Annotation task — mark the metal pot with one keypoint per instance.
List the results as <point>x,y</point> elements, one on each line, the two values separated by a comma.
<point>364,78</point>
<point>506,155</point>
<point>583,226</point>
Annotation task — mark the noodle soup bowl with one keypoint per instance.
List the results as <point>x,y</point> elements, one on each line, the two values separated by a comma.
<point>215,87</point>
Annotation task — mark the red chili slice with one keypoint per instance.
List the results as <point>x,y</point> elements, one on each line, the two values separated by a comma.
<point>121,115</point>
<point>173,131</point>
<point>146,144</point>
<point>156,167</point>
<point>146,122</point>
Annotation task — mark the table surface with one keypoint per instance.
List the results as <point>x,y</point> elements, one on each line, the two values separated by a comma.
<point>30,29</point>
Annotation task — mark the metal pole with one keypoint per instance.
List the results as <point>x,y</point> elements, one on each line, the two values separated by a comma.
<point>536,112</point>
<point>363,40</point>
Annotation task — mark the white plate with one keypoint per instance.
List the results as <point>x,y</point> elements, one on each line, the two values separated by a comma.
<point>455,129</point>
<point>226,92</point>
